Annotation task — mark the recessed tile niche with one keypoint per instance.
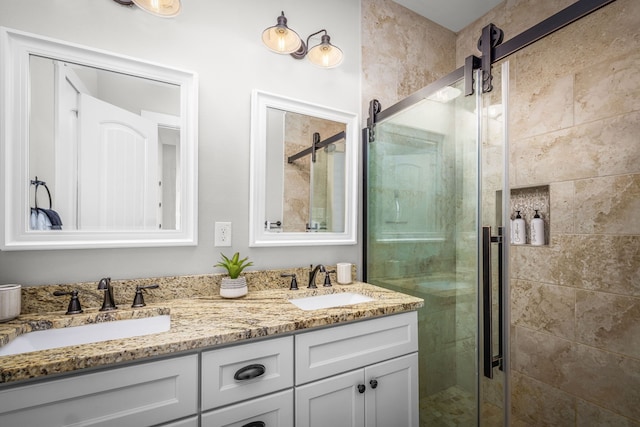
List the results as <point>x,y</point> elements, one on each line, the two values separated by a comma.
<point>527,200</point>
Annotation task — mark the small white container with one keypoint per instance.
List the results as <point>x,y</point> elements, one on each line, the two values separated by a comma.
<point>519,230</point>
<point>344,273</point>
<point>10,302</point>
<point>537,230</point>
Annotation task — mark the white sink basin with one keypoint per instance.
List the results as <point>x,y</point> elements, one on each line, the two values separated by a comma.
<point>327,301</point>
<point>85,334</point>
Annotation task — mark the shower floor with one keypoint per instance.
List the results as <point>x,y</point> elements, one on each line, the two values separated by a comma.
<point>454,407</point>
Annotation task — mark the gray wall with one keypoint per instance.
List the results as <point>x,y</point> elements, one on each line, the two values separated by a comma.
<point>221,42</point>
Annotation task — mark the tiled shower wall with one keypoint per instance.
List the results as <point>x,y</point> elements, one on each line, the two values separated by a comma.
<point>401,53</point>
<point>574,125</point>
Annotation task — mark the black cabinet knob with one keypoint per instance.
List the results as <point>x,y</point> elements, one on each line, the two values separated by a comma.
<point>361,388</point>
<point>374,383</point>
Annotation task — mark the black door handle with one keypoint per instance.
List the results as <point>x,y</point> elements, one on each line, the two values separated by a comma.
<point>489,360</point>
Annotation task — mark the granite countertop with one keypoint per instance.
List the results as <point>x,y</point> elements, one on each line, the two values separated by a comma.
<point>196,323</point>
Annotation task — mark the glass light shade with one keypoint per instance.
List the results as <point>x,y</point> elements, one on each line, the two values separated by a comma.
<point>163,8</point>
<point>325,54</point>
<point>280,38</point>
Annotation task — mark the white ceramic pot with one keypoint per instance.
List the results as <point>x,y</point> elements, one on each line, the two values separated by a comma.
<point>233,288</point>
<point>10,302</point>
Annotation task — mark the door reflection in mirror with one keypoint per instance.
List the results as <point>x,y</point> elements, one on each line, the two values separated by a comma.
<point>304,187</point>
<point>108,145</point>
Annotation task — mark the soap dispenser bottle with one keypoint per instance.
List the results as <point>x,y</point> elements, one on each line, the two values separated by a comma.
<point>537,230</point>
<point>519,231</point>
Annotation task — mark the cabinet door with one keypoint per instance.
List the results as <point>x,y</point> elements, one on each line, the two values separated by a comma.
<point>334,401</point>
<point>143,394</point>
<point>274,410</point>
<point>391,398</point>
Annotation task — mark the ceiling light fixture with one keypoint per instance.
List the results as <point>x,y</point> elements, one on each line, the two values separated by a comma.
<point>282,39</point>
<point>162,8</point>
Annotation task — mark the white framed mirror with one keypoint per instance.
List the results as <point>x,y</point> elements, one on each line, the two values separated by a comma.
<point>107,142</point>
<point>303,173</point>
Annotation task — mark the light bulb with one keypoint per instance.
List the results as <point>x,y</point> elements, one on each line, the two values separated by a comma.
<point>325,57</point>
<point>282,39</point>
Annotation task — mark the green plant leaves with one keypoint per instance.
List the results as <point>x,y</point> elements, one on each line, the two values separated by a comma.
<point>235,265</point>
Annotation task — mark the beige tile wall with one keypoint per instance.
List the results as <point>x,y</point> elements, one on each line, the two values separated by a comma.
<point>574,125</point>
<point>401,52</point>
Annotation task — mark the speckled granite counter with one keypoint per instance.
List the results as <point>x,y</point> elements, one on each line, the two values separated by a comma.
<point>196,322</point>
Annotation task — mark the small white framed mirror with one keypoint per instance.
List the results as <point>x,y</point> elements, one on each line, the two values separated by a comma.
<point>105,141</point>
<point>304,163</point>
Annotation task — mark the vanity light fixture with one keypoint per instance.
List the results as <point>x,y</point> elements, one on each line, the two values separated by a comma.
<point>282,39</point>
<point>162,8</point>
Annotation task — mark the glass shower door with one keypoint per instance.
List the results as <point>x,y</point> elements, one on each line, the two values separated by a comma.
<point>425,198</point>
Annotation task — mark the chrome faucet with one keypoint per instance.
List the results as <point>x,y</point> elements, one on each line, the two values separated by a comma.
<point>312,275</point>
<point>108,303</point>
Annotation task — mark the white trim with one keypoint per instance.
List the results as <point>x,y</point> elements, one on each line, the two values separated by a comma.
<point>15,49</point>
<point>258,236</point>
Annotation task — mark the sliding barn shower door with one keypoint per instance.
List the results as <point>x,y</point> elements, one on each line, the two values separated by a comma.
<point>435,179</point>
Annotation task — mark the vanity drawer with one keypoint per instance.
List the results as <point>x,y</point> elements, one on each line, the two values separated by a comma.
<point>261,367</point>
<point>330,351</point>
<point>273,410</point>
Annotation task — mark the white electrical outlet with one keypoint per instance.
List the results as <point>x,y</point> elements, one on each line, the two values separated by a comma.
<point>223,234</point>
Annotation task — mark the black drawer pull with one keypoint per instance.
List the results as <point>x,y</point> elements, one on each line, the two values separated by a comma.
<point>361,388</point>
<point>249,372</point>
<point>374,383</point>
<point>255,424</point>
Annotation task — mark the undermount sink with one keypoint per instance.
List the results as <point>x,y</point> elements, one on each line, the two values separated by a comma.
<point>86,334</point>
<point>331,300</point>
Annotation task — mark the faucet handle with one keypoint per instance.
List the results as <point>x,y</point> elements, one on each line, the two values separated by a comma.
<point>138,300</point>
<point>294,281</point>
<point>327,278</point>
<point>74,304</point>
<point>104,283</point>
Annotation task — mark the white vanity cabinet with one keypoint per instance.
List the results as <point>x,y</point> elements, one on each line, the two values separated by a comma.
<point>143,394</point>
<point>319,378</point>
<point>360,374</point>
<point>259,375</point>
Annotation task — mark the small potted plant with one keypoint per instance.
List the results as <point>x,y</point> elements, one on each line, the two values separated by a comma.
<point>233,286</point>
